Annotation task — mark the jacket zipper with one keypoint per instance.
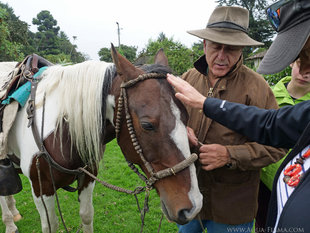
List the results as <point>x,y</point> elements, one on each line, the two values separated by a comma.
<point>212,89</point>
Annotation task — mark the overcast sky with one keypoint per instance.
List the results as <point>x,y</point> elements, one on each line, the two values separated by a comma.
<point>93,22</point>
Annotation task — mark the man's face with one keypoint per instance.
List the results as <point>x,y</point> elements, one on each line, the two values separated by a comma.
<point>304,57</point>
<point>221,58</point>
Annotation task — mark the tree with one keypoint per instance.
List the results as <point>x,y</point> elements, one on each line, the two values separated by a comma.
<point>9,50</point>
<point>127,51</point>
<point>18,33</point>
<point>17,28</point>
<point>105,55</point>
<point>179,56</point>
<point>46,37</point>
<point>259,27</point>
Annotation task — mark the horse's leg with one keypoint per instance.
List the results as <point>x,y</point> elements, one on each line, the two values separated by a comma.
<point>86,207</point>
<point>7,217</point>
<point>50,206</point>
<point>10,200</point>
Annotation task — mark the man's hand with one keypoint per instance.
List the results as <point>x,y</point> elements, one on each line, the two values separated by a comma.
<point>193,140</point>
<point>186,93</point>
<point>213,156</point>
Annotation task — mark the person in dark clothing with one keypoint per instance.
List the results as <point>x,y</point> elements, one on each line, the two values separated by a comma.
<point>287,127</point>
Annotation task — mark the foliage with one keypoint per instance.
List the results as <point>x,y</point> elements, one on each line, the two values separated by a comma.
<point>179,56</point>
<point>127,51</point>
<point>259,27</point>
<point>17,40</point>
<point>60,58</point>
<point>272,79</point>
<point>9,50</point>
<point>114,211</point>
<point>46,37</point>
<point>105,55</point>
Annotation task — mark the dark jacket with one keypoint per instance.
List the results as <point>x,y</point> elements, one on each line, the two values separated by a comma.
<point>286,127</point>
<point>230,194</point>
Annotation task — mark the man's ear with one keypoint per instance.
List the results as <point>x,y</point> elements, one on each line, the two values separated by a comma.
<point>204,45</point>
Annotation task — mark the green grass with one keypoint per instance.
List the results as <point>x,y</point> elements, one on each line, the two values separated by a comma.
<point>114,211</point>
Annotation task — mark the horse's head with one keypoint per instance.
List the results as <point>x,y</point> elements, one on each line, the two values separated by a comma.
<point>151,130</point>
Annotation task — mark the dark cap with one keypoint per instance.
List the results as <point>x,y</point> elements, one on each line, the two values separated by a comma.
<point>293,33</point>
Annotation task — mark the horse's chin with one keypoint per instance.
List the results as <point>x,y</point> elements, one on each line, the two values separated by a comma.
<point>169,217</point>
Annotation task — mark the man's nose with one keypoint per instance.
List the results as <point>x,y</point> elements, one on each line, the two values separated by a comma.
<point>222,53</point>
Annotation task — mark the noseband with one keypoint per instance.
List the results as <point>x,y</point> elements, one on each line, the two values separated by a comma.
<point>123,103</point>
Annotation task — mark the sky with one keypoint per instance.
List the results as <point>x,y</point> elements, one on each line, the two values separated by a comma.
<point>93,22</point>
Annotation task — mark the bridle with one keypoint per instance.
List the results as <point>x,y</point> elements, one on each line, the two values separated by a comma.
<point>123,104</point>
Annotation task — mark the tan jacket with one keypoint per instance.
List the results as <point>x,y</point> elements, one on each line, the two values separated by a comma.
<point>230,194</point>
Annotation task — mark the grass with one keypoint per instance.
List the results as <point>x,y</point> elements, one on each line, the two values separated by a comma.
<point>114,211</point>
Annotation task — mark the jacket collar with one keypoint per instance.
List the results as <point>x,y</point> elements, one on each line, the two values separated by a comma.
<point>201,65</point>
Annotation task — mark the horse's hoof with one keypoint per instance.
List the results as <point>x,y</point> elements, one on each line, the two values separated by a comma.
<point>16,218</point>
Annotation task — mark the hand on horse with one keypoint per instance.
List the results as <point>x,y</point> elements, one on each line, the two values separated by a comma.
<point>213,156</point>
<point>186,93</point>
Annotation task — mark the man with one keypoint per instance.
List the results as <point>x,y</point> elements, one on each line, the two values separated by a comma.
<point>287,127</point>
<point>230,163</point>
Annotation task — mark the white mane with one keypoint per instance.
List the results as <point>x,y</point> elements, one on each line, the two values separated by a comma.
<point>79,88</point>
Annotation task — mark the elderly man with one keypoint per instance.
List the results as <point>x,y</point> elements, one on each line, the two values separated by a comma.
<point>229,169</point>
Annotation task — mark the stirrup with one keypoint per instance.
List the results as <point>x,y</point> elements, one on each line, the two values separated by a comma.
<point>10,182</point>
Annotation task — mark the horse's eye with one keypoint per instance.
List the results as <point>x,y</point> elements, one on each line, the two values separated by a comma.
<point>147,126</point>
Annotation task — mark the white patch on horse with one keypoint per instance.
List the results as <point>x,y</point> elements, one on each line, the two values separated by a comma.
<point>86,207</point>
<point>110,108</point>
<point>50,206</point>
<point>179,133</point>
<point>179,136</point>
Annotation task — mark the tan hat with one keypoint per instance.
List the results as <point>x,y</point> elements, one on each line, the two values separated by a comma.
<point>227,25</point>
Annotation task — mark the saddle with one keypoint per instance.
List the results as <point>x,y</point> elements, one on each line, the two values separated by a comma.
<point>10,182</point>
<point>24,72</point>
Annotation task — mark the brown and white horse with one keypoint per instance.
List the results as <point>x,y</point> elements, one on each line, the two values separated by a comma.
<point>77,112</point>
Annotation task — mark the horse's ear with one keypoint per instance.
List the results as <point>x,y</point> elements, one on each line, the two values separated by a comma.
<point>161,58</point>
<point>124,67</point>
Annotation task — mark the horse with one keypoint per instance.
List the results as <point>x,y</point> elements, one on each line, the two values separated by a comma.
<point>10,213</point>
<point>75,110</point>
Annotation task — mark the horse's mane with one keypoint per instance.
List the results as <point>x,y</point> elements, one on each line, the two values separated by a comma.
<point>82,90</point>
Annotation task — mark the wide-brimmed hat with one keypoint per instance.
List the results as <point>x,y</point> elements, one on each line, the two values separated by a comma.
<point>227,25</point>
<point>292,21</point>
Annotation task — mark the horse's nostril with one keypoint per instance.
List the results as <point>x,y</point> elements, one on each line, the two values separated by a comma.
<point>182,219</point>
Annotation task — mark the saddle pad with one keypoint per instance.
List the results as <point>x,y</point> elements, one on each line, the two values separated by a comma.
<point>21,95</point>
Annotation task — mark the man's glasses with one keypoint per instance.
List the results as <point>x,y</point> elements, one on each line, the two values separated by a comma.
<point>273,13</point>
